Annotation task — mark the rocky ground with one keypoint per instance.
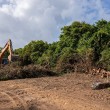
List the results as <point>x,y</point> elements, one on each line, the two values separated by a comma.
<point>67,92</point>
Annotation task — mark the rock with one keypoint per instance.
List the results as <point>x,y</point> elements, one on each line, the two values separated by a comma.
<point>100,85</point>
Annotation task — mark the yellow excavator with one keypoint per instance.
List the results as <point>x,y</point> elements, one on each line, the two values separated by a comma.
<point>11,57</point>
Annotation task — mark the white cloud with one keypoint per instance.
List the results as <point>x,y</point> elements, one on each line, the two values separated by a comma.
<point>26,20</point>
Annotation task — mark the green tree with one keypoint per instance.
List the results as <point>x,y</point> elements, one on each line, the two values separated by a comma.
<point>105,58</point>
<point>33,51</point>
<point>101,24</point>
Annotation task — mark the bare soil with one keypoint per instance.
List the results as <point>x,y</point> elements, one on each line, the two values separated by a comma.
<point>67,92</point>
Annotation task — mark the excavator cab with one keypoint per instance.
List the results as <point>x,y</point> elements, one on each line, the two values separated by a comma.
<point>5,61</point>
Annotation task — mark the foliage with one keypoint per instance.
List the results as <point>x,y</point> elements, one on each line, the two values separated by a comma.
<point>31,52</point>
<point>80,40</point>
<point>105,58</point>
<point>67,60</point>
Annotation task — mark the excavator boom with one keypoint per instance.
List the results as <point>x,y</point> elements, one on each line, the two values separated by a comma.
<point>7,47</point>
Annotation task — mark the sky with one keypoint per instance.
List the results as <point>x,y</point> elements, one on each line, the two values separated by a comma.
<point>25,20</point>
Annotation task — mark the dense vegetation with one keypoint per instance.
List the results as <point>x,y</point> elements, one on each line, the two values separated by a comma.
<point>80,45</point>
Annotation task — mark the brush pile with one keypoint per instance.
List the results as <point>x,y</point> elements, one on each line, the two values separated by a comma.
<point>31,71</point>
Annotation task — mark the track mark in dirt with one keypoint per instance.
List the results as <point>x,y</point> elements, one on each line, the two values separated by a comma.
<point>16,100</point>
<point>10,98</point>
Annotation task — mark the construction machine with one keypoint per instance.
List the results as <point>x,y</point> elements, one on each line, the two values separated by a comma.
<point>11,57</point>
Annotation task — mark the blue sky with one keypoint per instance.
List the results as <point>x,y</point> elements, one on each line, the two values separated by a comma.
<point>26,20</point>
<point>106,4</point>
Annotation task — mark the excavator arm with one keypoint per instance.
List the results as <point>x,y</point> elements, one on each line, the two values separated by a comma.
<point>8,46</point>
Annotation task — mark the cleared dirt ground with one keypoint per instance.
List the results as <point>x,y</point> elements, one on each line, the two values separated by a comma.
<point>68,92</point>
